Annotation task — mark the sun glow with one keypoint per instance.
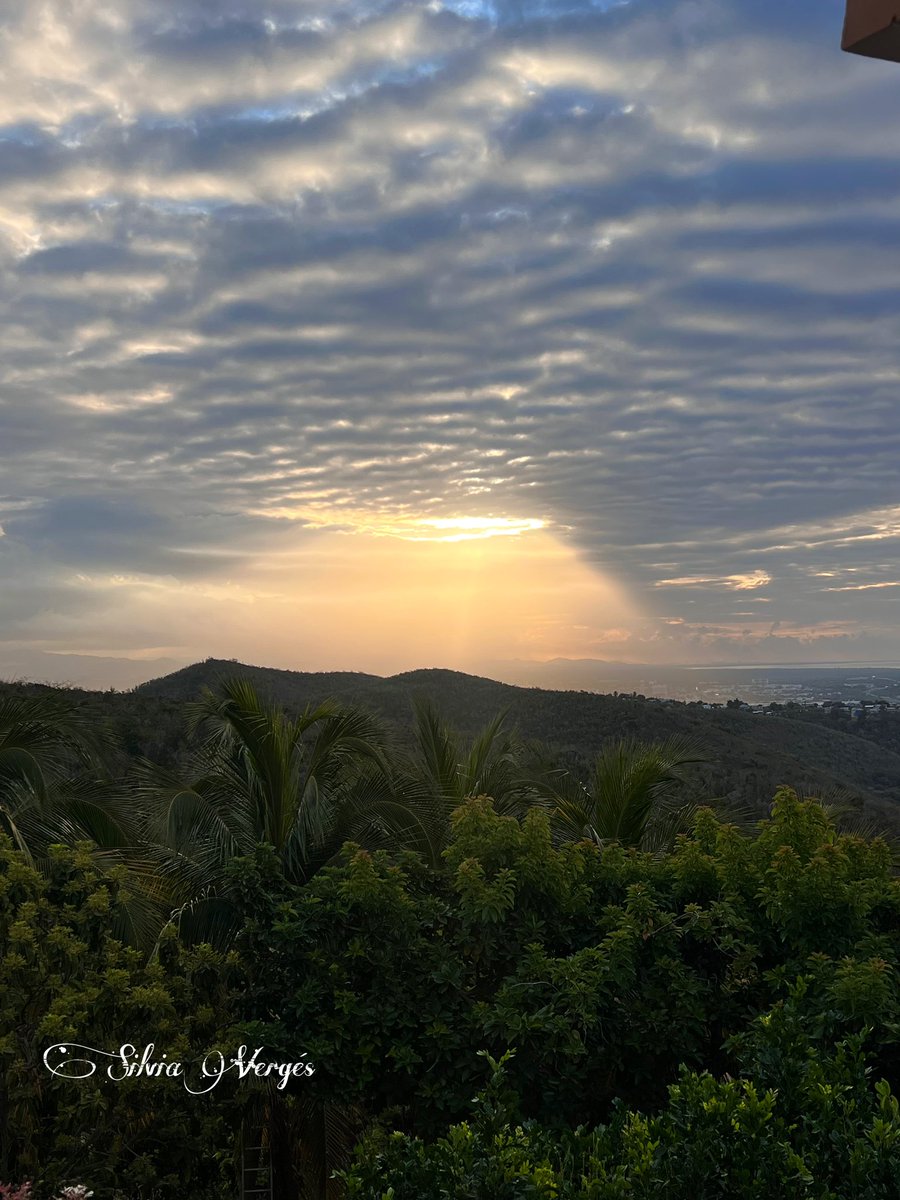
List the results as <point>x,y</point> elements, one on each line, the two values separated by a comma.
<point>408,529</point>
<point>466,529</point>
<point>457,592</point>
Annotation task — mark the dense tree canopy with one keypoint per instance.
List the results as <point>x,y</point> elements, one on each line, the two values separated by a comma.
<point>65,978</point>
<point>667,1014</point>
<point>606,970</point>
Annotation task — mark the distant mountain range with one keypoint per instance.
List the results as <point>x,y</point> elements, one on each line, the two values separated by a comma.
<point>756,683</point>
<point>749,755</point>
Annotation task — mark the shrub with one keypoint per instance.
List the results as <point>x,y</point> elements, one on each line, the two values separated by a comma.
<point>806,1125</point>
<point>65,979</point>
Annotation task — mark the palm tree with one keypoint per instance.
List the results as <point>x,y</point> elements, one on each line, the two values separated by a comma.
<point>45,746</point>
<point>303,785</point>
<point>634,795</point>
<point>54,791</point>
<point>443,771</point>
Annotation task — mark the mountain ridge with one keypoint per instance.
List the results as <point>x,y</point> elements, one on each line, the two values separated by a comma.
<point>751,755</point>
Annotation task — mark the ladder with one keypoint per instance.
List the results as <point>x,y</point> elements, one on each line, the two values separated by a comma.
<point>257,1181</point>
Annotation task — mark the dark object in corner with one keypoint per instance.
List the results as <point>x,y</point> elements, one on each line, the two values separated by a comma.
<point>872,27</point>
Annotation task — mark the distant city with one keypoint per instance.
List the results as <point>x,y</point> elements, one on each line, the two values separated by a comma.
<point>852,685</point>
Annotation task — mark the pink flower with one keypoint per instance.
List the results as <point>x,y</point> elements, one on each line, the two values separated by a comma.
<point>13,1191</point>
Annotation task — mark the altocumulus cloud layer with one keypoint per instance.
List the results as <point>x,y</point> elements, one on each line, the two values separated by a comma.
<point>275,269</point>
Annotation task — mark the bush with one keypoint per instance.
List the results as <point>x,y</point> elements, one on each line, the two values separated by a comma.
<point>607,971</point>
<point>65,979</point>
<point>801,1124</point>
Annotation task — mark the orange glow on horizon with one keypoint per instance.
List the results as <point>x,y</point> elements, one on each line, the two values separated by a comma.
<point>364,601</point>
<point>391,600</point>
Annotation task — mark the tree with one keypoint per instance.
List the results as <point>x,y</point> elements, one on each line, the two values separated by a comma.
<point>443,771</point>
<point>606,970</point>
<point>634,795</point>
<point>803,1120</point>
<point>302,785</point>
<point>54,791</point>
<point>65,979</point>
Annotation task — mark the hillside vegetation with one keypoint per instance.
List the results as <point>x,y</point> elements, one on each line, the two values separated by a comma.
<point>749,756</point>
<point>489,970</point>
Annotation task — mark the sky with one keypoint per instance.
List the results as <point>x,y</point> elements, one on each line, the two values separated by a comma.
<point>385,334</point>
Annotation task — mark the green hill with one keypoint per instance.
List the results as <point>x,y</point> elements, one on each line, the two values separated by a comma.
<point>750,755</point>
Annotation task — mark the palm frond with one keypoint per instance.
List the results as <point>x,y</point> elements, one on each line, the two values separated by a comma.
<point>54,730</point>
<point>207,918</point>
<point>437,750</point>
<point>258,776</point>
<point>632,796</point>
<point>490,752</point>
<point>373,816</point>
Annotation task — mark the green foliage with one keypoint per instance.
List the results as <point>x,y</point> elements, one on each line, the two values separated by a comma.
<point>50,788</point>
<point>695,1022</point>
<point>606,970</point>
<point>64,978</point>
<point>53,790</point>
<point>635,795</point>
<point>257,776</point>
<point>808,1124</point>
<point>444,769</point>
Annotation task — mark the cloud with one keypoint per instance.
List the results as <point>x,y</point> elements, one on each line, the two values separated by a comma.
<point>621,269</point>
<point>737,583</point>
